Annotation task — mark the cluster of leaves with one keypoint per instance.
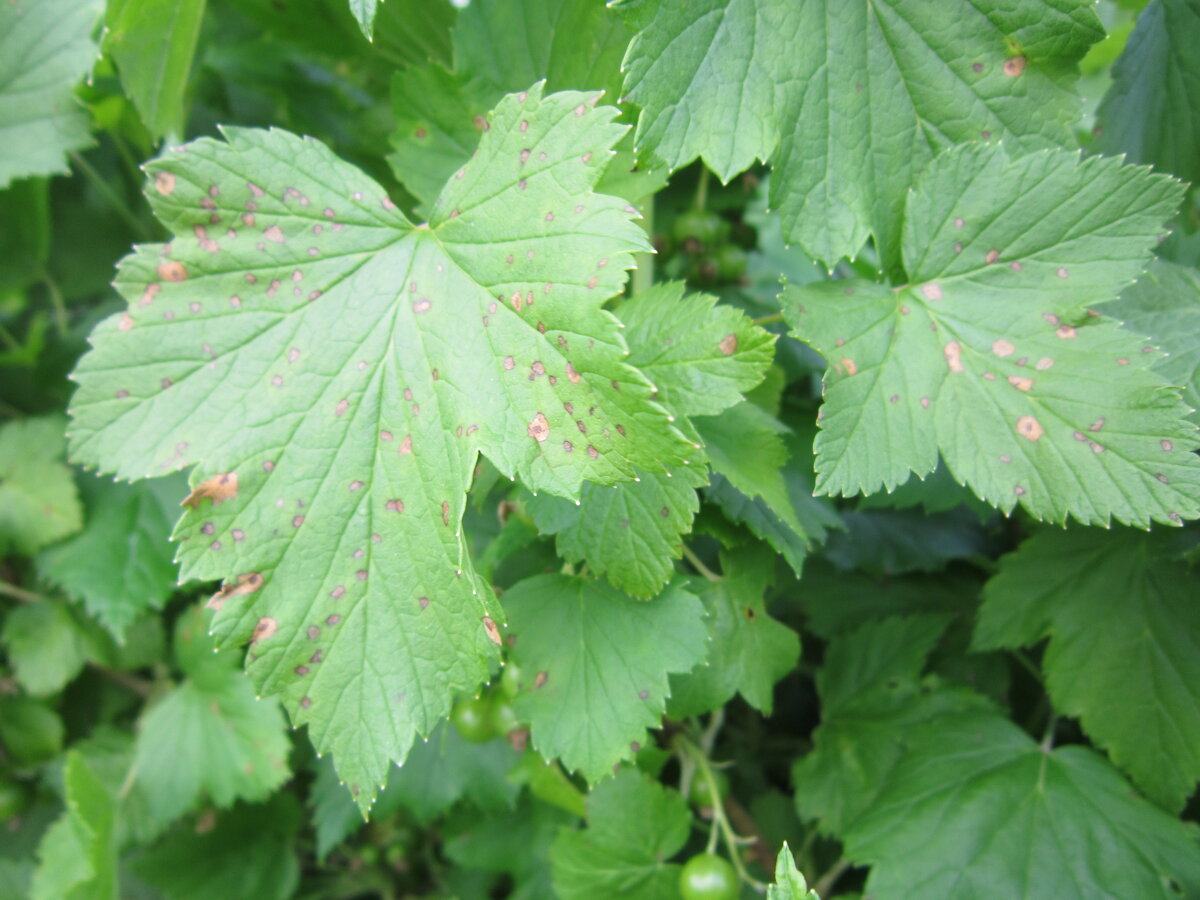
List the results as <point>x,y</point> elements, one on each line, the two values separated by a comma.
<point>524,547</point>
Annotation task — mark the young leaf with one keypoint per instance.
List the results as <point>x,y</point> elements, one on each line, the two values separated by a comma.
<point>153,43</point>
<point>871,699</point>
<point>1165,305</point>
<point>45,49</point>
<point>208,736</point>
<point>599,663</point>
<point>247,852</point>
<point>634,824</point>
<point>122,563</point>
<point>789,883</point>
<point>78,853</point>
<point>1152,110</point>
<point>1124,652</point>
<point>991,357</point>
<point>336,370</point>
<point>38,501</point>
<point>748,651</point>
<point>702,356</point>
<point>629,532</point>
<point>1035,817</point>
<point>814,87</point>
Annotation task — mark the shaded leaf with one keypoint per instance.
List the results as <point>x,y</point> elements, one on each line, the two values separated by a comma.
<point>122,563</point>
<point>248,852</point>
<point>634,825</point>
<point>38,500</point>
<point>45,49</point>
<point>595,663</point>
<point>1036,817</point>
<point>209,736</point>
<point>46,646</point>
<point>1120,610</point>
<point>1151,112</point>
<point>153,43</point>
<point>749,651</point>
<point>78,854</point>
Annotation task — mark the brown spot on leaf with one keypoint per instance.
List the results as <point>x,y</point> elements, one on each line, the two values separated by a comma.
<point>1062,273</point>
<point>172,270</point>
<point>446,513</point>
<point>342,406</point>
<point>953,353</point>
<point>274,234</point>
<point>593,452</point>
<point>539,680</point>
<point>850,366</point>
<point>150,293</point>
<point>405,445</point>
<point>1021,384</point>
<point>1066,332</point>
<point>395,505</point>
<point>218,489</point>
<point>1014,66</point>
<point>1003,348</point>
<point>1043,364</point>
<point>1166,445</point>
<point>1028,426</point>
<point>932,291</point>
<point>245,584</point>
<point>539,428</point>
<point>492,629</point>
<point>164,183</point>
<point>1098,424</point>
<point>992,256</point>
<point>728,344</point>
<point>264,629</point>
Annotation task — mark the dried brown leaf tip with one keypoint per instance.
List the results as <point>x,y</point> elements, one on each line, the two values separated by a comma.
<point>245,584</point>
<point>218,489</point>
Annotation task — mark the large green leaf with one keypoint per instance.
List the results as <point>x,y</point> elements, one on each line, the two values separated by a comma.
<point>45,49</point>
<point>153,43</point>
<point>1152,111</point>
<point>336,371</point>
<point>1120,610</point>
<point>634,826</point>
<point>990,354</point>
<point>595,664</point>
<point>850,101</point>
<point>46,646</point>
<point>1165,305</point>
<point>978,809</point>
<point>38,500</point>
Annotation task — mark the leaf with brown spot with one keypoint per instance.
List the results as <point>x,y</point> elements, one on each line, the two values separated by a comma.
<point>594,644</point>
<point>376,355</point>
<point>953,363</point>
<point>218,489</point>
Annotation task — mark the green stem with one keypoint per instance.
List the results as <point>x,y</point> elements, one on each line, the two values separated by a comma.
<point>1028,664</point>
<point>1048,734</point>
<point>105,190</point>
<point>56,300</point>
<point>698,565</point>
<point>826,882</point>
<point>721,825</point>
<point>18,593</point>
<point>702,188</point>
<point>768,320</point>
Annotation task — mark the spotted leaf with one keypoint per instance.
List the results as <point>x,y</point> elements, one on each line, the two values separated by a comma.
<point>849,100</point>
<point>992,355</point>
<point>348,366</point>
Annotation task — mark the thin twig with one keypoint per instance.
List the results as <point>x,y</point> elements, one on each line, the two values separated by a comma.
<point>19,593</point>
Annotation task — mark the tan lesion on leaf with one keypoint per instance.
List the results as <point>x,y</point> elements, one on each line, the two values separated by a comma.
<point>245,584</point>
<point>1029,427</point>
<point>728,344</point>
<point>218,489</point>
<point>539,428</point>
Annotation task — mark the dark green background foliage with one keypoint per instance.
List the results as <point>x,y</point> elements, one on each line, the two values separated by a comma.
<point>537,448</point>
